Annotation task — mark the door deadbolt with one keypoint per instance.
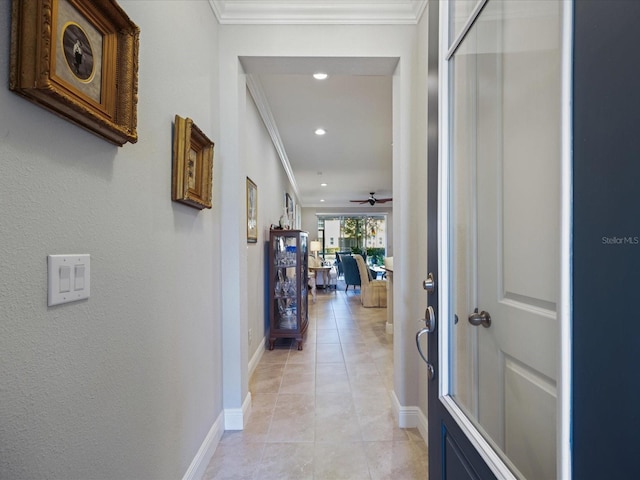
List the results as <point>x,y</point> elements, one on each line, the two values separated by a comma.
<point>429,319</point>
<point>429,284</point>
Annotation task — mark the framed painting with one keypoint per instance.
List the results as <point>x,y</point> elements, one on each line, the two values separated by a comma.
<point>192,165</point>
<point>252,211</point>
<point>78,59</point>
<point>288,205</point>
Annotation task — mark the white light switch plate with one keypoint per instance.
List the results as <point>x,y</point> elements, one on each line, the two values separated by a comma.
<point>69,278</point>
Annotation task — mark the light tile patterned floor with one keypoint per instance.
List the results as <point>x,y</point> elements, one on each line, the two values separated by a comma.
<point>324,413</point>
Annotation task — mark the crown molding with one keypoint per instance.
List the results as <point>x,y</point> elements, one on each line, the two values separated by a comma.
<point>354,12</point>
<point>260,99</point>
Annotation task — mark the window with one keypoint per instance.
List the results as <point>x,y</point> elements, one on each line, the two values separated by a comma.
<point>356,233</point>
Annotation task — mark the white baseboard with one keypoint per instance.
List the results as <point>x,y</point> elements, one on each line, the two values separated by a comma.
<point>407,416</point>
<point>255,360</point>
<point>410,417</point>
<point>205,452</point>
<point>230,419</point>
<point>389,328</point>
<point>234,418</point>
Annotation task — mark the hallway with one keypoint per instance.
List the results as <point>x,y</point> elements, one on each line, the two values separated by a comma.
<point>325,412</point>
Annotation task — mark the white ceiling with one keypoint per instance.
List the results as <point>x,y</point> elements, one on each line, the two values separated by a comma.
<point>354,104</point>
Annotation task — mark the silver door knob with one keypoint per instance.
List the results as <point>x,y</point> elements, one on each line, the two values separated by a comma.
<point>483,318</point>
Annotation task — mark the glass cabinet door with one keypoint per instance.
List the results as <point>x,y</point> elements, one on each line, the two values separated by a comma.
<point>285,284</point>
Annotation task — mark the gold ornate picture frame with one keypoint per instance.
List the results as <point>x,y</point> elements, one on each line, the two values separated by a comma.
<point>192,165</point>
<point>252,211</point>
<point>78,59</point>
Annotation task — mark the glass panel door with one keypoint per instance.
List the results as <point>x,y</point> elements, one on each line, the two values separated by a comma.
<point>504,203</point>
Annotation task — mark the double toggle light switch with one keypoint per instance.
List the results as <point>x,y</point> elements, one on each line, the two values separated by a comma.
<point>69,278</point>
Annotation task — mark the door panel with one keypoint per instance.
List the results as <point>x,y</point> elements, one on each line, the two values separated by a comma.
<point>530,442</point>
<point>531,152</point>
<point>455,461</point>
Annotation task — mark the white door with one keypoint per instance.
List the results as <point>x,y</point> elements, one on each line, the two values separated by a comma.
<point>504,232</point>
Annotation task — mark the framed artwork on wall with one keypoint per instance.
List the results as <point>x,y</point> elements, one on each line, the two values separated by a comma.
<point>78,59</point>
<point>252,211</point>
<point>288,205</point>
<point>192,176</point>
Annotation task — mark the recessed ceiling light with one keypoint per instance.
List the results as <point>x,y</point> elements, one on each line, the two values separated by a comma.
<point>320,76</point>
<point>321,200</point>
<point>323,184</point>
<point>320,131</point>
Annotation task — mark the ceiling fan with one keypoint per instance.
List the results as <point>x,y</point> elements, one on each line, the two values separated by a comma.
<point>373,200</point>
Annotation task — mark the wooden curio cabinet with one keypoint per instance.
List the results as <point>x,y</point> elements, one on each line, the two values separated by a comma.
<point>288,286</point>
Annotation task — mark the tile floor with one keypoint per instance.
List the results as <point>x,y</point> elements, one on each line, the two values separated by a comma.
<point>324,413</point>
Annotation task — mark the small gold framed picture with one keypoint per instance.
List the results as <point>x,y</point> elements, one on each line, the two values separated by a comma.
<point>192,165</point>
<point>252,211</point>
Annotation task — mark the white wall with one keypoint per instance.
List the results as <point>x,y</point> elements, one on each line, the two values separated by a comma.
<point>419,195</point>
<point>265,169</point>
<point>127,383</point>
